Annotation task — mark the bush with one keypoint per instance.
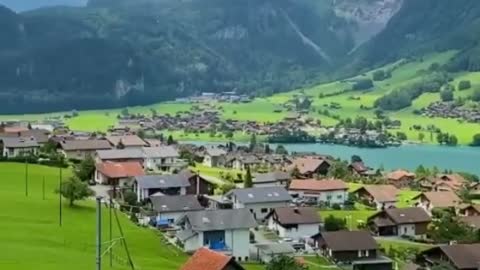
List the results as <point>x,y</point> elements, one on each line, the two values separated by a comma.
<point>476,95</point>
<point>379,75</point>
<point>446,95</point>
<point>335,224</point>
<point>336,206</point>
<point>363,84</point>
<point>464,85</point>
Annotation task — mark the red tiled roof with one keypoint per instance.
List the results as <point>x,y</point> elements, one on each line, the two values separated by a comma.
<point>442,198</point>
<point>399,174</point>
<point>317,185</point>
<point>307,165</point>
<point>14,129</point>
<point>206,259</point>
<point>120,169</point>
<point>381,193</point>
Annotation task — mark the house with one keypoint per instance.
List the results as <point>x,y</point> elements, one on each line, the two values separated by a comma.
<point>213,157</point>
<point>294,222</point>
<point>400,178</point>
<point>40,135</point>
<point>309,167</point>
<point>270,179</point>
<point>320,191</point>
<point>147,185</point>
<point>449,182</point>
<point>163,158</point>
<point>226,231</point>
<point>266,252</point>
<point>117,173</point>
<point>80,149</point>
<point>458,256</point>
<point>168,209</point>
<point>470,210</point>
<point>378,196</point>
<point>412,221</point>
<point>206,259</point>
<point>198,184</point>
<point>352,247</point>
<point>437,199</point>
<point>358,168</point>
<point>120,155</point>
<point>245,161</point>
<point>472,221</point>
<point>260,201</point>
<point>126,141</point>
<point>18,146</point>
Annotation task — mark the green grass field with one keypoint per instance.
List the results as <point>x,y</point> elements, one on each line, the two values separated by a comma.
<point>32,238</point>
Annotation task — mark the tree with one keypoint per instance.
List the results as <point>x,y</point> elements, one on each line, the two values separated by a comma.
<point>464,85</point>
<point>280,150</point>
<point>401,136</point>
<point>74,190</point>
<point>253,142</point>
<point>475,140</point>
<point>355,158</point>
<point>421,136</point>
<point>296,172</point>
<point>335,224</point>
<point>476,95</point>
<point>379,75</point>
<point>141,134</point>
<point>447,228</point>
<point>285,263</point>
<point>170,140</point>
<point>85,170</point>
<point>446,95</point>
<point>130,197</point>
<point>125,112</point>
<point>248,182</point>
<point>338,170</point>
<point>452,140</point>
<point>421,171</point>
<point>363,84</point>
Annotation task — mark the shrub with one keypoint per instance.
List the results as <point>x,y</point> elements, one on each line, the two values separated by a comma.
<point>446,95</point>
<point>363,84</point>
<point>464,85</point>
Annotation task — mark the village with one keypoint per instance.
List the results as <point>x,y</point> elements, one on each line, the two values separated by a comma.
<point>450,109</point>
<point>236,204</point>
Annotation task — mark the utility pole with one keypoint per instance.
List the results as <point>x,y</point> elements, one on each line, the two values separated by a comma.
<point>98,254</point>
<point>60,198</point>
<point>26,177</point>
<point>110,205</point>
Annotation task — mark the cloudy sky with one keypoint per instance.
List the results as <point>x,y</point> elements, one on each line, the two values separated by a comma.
<point>23,5</point>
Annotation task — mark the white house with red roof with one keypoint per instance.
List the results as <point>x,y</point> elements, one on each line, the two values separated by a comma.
<point>117,173</point>
<point>331,191</point>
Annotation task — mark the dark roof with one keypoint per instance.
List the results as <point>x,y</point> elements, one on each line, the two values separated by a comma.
<point>465,256</point>
<point>181,203</point>
<point>271,177</point>
<point>349,240</point>
<point>162,181</point>
<point>359,166</point>
<point>472,221</point>
<point>260,194</point>
<point>215,152</point>
<point>133,153</point>
<point>19,142</point>
<point>160,152</point>
<point>441,199</point>
<point>299,215</point>
<point>227,219</point>
<point>71,145</point>
<point>408,215</point>
<point>126,140</point>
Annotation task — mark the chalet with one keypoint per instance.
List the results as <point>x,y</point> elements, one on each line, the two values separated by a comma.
<point>309,167</point>
<point>458,256</point>
<point>117,173</point>
<point>449,182</point>
<point>12,147</point>
<point>242,162</point>
<point>471,221</point>
<point>411,221</point>
<point>270,179</point>
<point>147,185</point>
<point>378,196</point>
<point>213,157</point>
<point>40,135</point>
<point>440,199</point>
<point>153,142</point>
<point>275,162</point>
<point>120,155</point>
<point>226,231</point>
<point>352,247</point>
<point>260,201</point>
<point>314,191</point>
<point>359,168</point>
<point>198,184</point>
<point>80,149</point>
<point>168,209</point>
<point>206,259</point>
<point>470,210</point>
<point>475,189</point>
<point>163,158</point>
<point>295,223</point>
<point>266,252</point>
<point>126,141</point>
<point>400,178</point>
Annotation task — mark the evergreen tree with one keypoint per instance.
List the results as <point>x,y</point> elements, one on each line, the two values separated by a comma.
<point>253,142</point>
<point>170,140</point>
<point>248,181</point>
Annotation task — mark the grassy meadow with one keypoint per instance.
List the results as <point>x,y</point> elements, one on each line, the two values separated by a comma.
<point>263,109</point>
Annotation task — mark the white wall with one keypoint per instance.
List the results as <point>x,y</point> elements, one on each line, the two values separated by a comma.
<point>171,215</point>
<point>406,229</point>
<point>15,152</point>
<point>239,241</point>
<point>273,184</point>
<point>384,205</point>
<point>303,231</point>
<point>193,243</point>
<point>257,208</point>
<point>332,197</point>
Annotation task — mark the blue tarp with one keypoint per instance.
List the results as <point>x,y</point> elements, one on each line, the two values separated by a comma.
<point>217,246</point>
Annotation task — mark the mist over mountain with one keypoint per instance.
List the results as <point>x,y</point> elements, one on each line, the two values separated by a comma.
<point>24,5</point>
<point>129,52</point>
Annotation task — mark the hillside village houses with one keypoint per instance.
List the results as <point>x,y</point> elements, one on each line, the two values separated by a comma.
<point>18,146</point>
<point>412,221</point>
<point>259,201</point>
<point>169,209</point>
<point>309,167</point>
<point>80,149</point>
<point>294,222</point>
<point>328,192</point>
<point>455,256</point>
<point>400,178</point>
<point>226,231</point>
<point>379,196</point>
<point>276,178</point>
<point>206,259</point>
<point>214,157</point>
<point>438,199</point>
<point>126,141</point>
<point>117,174</point>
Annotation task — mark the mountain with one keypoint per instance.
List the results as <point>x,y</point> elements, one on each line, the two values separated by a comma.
<point>24,5</point>
<point>125,52</point>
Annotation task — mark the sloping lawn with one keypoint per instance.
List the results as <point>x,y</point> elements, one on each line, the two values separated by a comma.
<point>353,217</point>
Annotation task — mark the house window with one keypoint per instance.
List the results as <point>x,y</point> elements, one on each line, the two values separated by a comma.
<point>339,197</point>
<point>329,197</point>
<point>405,230</point>
<point>264,210</point>
<point>246,258</point>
